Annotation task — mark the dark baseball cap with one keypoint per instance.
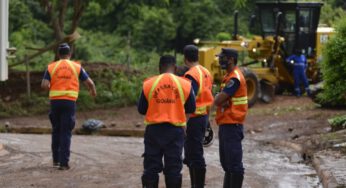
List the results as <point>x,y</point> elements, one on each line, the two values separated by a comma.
<point>229,52</point>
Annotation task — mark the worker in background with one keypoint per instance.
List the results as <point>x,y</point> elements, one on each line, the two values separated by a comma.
<point>202,82</point>
<point>300,65</point>
<point>165,101</point>
<point>232,107</point>
<point>62,80</point>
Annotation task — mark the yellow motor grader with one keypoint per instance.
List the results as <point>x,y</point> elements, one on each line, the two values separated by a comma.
<point>283,27</point>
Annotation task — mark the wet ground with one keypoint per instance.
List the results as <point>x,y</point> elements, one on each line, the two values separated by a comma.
<point>116,162</point>
<point>99,161</point>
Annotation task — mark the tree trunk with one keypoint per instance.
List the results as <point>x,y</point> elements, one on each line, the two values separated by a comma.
<point>56,11</point>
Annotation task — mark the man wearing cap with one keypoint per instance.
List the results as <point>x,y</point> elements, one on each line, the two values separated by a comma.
<point>232,107</point>
<point>201,81</point>
<point>164,101</point>
<point>61,79</point>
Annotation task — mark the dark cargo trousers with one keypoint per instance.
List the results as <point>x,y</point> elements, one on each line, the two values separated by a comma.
<point>231,152</point>
<point>163,141</point>
<point>193,147</point>
<point>62,117</point>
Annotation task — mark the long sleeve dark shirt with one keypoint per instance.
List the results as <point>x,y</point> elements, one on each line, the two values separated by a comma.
<point>231,87</point>
<point>194,84</point>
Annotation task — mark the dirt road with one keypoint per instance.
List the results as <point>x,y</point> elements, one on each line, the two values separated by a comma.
<point>115,161</point>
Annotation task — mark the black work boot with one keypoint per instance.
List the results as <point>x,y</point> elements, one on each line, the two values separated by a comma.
<point>238,180</point>
<point>233,180</point>
<point>173,182</point>
<point>197,176</point>
<point>227,180</point>
<point>150,184</point>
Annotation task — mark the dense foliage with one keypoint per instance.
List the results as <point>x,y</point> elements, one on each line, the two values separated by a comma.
<point>112,29</point>
<point>134,33</point>
<point>334,69</point>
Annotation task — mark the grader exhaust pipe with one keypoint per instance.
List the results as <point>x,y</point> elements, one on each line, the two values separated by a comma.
<point>235,30</point>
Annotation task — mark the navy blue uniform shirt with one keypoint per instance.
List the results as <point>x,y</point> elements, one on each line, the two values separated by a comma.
<point>231,87</point>
<point>194,84</point>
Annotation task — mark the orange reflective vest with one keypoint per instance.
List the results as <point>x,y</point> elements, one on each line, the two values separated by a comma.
<point>204,96</point>
<point>166,95</point>
<point>236,111</point>
<point>64,83</point>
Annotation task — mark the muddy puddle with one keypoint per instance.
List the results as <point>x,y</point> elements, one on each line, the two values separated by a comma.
<point>270,167</point>
<point>279,167</point>
<point>116,162</point>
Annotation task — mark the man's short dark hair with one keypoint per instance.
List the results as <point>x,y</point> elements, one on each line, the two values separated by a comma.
<point>191,53</point>
<point>63,49</point>
<point>167,61</point>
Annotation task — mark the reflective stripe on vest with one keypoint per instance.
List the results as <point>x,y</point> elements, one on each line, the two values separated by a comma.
<point>237,73</point>
<point>180,89</point>
<point>202,109</point>
<point>154,86</point>
<point>239,100</point>
<point>54,69</point>
<point>59,93</point>
<point>175,124</point>
<point>236,112</point>
<point>55,93</point>
<point>200,81</point>
<point>181,94</point>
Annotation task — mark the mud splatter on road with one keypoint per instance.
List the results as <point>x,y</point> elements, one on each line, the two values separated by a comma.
<point>116,162</point>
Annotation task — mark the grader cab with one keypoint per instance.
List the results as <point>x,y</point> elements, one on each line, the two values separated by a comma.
<point>280,27</point>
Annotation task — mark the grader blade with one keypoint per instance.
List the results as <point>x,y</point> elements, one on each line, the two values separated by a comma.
<point>267,91</point>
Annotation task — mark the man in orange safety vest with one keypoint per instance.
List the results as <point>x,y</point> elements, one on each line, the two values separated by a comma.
<point>62,81</point>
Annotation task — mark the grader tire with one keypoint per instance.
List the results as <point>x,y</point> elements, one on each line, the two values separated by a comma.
<point>252,83</point>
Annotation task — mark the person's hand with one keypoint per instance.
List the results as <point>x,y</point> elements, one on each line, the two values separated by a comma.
<point>225,104</point>
<point>92,92</point>
<point>91,87</point>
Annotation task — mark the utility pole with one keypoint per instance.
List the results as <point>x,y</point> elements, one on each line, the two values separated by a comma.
<point>5,52</point>
<point>3,39</point>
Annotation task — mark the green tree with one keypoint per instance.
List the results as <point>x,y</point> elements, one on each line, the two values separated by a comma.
<point>58,11</point>
<point>330,15</point>
<point>334,69</point>
<point>195,19</point>
<point>28,29</point>
<point>155,29</point>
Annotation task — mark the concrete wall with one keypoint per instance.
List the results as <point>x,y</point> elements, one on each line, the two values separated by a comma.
<point>4,44</point>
